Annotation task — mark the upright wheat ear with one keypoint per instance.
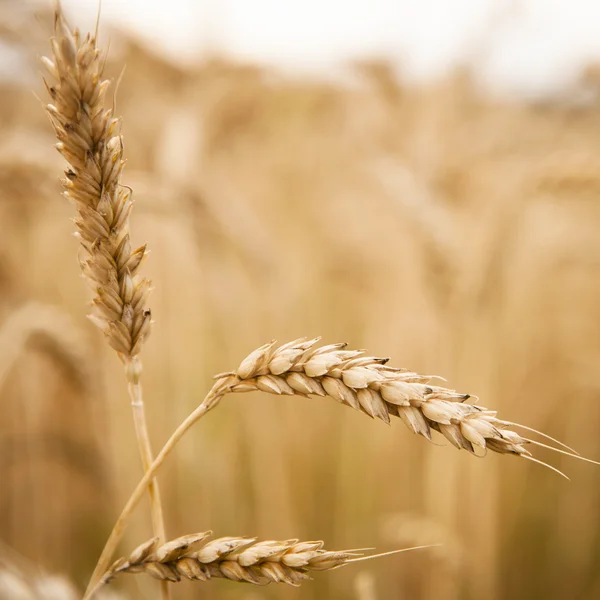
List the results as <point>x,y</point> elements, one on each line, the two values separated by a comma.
<point>89,138</point>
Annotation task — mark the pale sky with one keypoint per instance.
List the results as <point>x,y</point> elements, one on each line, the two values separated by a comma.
<point>528,47</point>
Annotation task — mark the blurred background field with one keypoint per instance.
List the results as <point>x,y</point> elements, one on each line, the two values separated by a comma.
<point>451,229</point>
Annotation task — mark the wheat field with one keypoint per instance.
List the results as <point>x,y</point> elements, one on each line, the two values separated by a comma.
<point>454,232</point>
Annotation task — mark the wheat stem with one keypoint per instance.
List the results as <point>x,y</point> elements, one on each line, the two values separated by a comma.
<point>211,400</point>
<point>134,388</point>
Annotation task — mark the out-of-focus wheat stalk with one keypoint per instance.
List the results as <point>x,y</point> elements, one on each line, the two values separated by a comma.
<point>53,329</point>
<point>15,585</point>
<point>364,586</point>
<point>20,580</point>
<point>363,382</point>
<point>89,139</point>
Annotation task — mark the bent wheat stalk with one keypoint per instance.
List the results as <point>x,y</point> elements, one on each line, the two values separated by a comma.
<point>89,139</point>
<point>363,382</point>
<point>239,559</point>
<point>54,331</point>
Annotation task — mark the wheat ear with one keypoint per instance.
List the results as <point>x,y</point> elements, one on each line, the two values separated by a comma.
<point>368,384</point>
<point>89,139</point>
<point>363,382</point>
<point>239,559</point>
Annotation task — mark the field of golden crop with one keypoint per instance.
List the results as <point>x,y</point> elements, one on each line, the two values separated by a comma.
<point>458,234</point>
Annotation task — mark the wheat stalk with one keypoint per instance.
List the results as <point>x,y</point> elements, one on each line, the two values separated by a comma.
<point>363,382</point>
<point>15,585</point>
<point>89,139</point>
<point>54,330</point>
<point>21,580</point>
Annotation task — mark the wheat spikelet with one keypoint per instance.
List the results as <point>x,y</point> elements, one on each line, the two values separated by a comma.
<point>236,558</point>
<point>89,139</point>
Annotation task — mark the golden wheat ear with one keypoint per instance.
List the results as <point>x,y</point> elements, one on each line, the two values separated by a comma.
<point>239,559</point>
<point>370,385</point>
<point>89,138</point>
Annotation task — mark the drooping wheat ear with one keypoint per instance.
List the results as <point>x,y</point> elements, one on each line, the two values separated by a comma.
<point>369,385</point>
<point>89,138</point>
